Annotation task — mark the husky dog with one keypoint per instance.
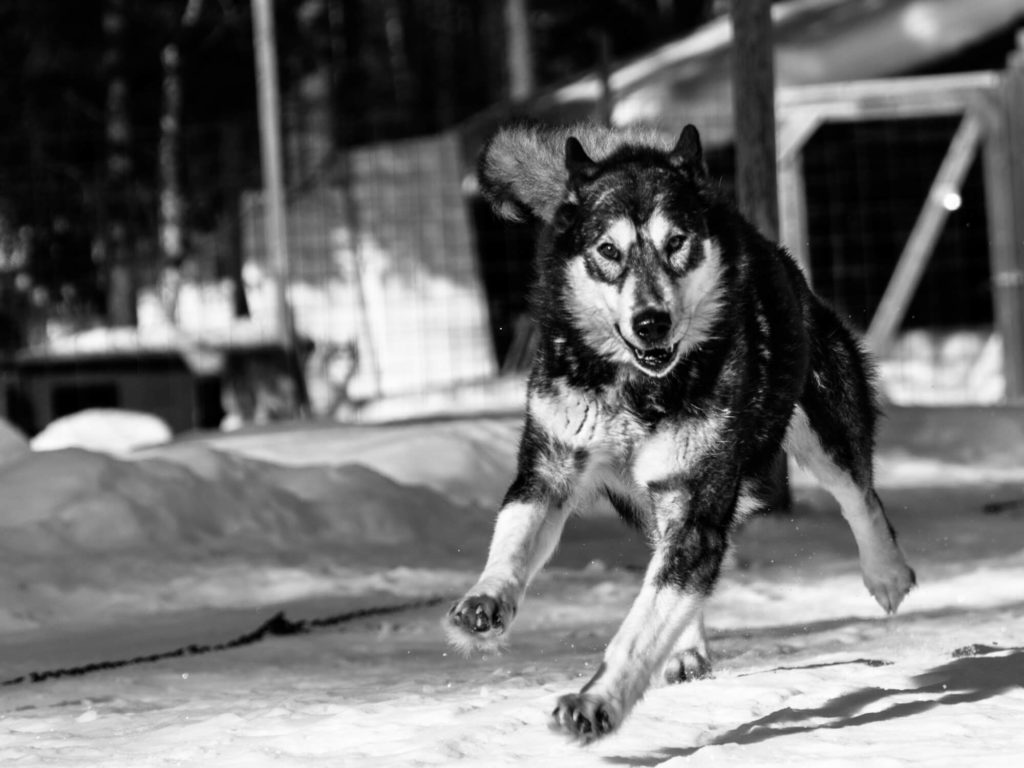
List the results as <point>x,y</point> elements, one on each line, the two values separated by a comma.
<point>679,353</point>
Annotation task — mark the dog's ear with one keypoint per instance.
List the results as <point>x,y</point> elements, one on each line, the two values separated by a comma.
<point>578,163</point>
<point>688,156</point>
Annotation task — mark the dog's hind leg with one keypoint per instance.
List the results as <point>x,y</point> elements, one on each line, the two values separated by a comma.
<point>886,573</point>
<point>690,660</point>
<point>831,434</point>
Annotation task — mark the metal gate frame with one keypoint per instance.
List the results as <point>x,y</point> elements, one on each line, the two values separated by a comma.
<point>992,108</point>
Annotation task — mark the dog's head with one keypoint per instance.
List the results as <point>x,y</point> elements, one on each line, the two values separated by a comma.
<point>640,274</point>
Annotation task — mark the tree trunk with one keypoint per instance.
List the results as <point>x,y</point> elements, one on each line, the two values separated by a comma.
<point>118,240</point>
<point>232,168</point>
<point>171,210</point>
<point>519,53</point>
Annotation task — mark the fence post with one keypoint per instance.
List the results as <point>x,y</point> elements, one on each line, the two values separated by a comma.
<point>1008,274</point>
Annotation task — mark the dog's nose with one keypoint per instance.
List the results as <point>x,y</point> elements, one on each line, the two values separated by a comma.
<point>652,325</point>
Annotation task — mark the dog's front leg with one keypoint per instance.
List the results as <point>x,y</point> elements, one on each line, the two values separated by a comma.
<point>526,533</point>
<point>682,572</point>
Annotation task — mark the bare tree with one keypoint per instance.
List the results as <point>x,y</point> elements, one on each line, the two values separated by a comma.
<point>519,51</point>
<point>171,212</point>
<point>117,238</point>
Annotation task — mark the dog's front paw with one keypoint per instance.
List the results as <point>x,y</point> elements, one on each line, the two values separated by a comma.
<point>585,717</point>
<point>478,622</point>
<point>889,581</point>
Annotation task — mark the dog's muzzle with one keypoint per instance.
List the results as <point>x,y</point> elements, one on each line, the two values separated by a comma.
<point>652,329</point>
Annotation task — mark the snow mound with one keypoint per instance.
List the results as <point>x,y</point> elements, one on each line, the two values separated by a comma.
<point>63,502</point>
<point>103,429</point>
<point>91,535</point>
<point>13,444</point>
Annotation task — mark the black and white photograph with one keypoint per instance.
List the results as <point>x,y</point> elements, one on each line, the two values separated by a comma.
<point>549,383</point>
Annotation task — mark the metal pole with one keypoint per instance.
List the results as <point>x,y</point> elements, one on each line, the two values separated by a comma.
<point>271,163</point>
<point>268,94</point>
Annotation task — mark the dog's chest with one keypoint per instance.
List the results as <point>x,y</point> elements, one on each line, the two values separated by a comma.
<point>607,431</point>
<point>584,421</point>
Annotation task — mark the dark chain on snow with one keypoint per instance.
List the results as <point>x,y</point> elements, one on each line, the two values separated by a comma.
<point>277,625</point>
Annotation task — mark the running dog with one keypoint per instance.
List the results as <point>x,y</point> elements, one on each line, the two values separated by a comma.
<point>679,353</point>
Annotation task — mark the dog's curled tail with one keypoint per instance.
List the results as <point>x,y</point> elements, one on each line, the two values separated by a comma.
<point>522,167</point>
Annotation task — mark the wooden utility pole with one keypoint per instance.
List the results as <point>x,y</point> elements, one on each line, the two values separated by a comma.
<point>269,104</point>
<point>753,99</point>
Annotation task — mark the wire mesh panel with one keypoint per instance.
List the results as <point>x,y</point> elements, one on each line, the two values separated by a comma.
<point>866,183</point>
<point>384,266</point>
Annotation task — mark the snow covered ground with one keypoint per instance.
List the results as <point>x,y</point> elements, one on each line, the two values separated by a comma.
<point>112,557</point>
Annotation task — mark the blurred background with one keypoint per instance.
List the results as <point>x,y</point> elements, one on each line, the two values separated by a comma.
<point>135,269</point>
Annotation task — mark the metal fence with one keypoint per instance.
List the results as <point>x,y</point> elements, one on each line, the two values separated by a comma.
<point>407,285</point>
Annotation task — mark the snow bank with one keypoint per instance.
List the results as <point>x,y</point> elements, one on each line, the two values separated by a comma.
<point>89,532</point>
<point>471,461</point>
<point>110,430</point>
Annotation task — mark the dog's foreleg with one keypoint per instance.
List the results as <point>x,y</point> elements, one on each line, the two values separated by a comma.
<point>682,573</point>
<point>638,651</point>
<point>526,533</point>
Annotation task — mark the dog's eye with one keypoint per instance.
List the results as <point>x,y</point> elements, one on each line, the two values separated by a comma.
<point>674,243</point>
<point>609,251</point>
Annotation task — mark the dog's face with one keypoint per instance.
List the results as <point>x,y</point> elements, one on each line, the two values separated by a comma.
<point>643,278</point>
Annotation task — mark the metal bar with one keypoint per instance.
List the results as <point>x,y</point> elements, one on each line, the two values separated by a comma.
<point>271,162</point>
<point>795,130</point>
<point>1008,273</point>
<point>897,97</point>
<point>793,228</point>
<point>268,93</point>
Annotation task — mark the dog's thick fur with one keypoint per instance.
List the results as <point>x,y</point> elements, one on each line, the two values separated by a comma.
<point>679,354</point>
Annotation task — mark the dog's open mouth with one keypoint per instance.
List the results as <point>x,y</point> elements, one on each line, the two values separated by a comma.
<point>653,359</point>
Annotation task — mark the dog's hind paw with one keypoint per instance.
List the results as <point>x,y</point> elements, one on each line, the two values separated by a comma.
<point>478,623</point>
<point>687,666</point>
<point>585,717</point>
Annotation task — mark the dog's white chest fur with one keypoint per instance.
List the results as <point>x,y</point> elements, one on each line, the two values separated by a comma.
<point>673,448</point>
<point>580,421</point>
<point>613,434</point>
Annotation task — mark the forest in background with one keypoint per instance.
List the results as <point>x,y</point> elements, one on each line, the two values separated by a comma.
<point>128,127</point>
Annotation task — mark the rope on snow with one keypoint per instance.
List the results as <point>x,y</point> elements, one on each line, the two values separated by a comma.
<point>277,625</point>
